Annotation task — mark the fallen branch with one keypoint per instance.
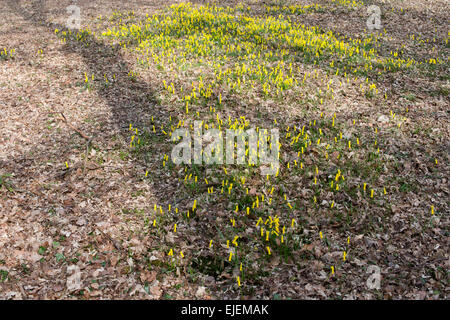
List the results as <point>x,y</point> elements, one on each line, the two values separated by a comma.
<point>114,242</point>
<point>63,118</point>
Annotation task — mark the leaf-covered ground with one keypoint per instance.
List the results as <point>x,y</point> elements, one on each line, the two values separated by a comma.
<point>92,206</point>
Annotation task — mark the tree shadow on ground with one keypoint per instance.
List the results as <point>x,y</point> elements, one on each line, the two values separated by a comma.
<point>129,100</point>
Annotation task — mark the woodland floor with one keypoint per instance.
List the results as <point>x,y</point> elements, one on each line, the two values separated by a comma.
<point>77,199</point>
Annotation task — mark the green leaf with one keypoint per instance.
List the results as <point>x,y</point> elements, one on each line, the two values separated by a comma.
<point>59,257</point>
<point>42,250</point>
<point>3,275</point>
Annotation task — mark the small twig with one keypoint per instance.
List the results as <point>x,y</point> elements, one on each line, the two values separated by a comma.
<point>88,143</point>
<point>114,242</point>
<point>63,118</point>
<point>23,191</point>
